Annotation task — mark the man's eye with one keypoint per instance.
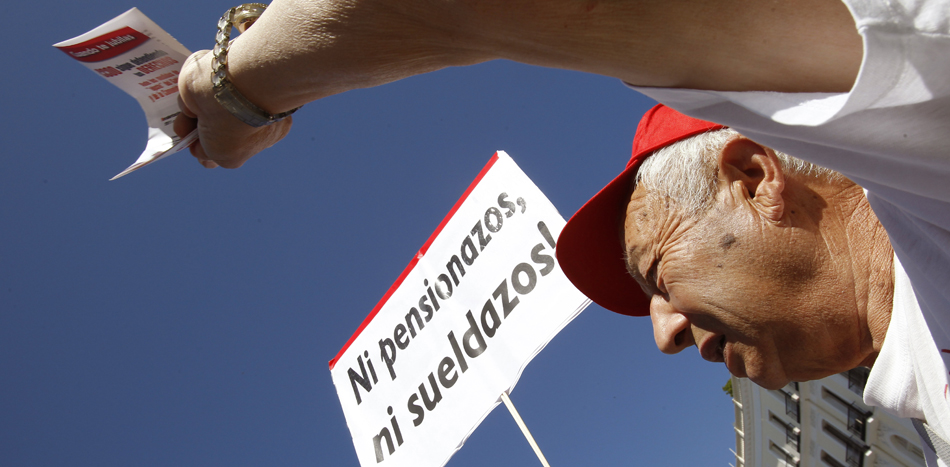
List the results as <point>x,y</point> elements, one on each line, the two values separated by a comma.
<point>653,277</point>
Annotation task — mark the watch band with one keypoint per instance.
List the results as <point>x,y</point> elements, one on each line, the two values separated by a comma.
<point>240,17</point>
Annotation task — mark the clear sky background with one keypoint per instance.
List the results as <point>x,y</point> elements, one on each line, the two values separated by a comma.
<point>183,316</point>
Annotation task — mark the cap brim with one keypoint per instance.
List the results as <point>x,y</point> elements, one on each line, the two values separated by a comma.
<point>590,249</point>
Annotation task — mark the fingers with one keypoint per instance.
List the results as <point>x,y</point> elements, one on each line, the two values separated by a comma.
<point>190,91</point>
<point>224,141</point>
<point>184,108</point>
<point>184,124</point>
<point>186,121</point>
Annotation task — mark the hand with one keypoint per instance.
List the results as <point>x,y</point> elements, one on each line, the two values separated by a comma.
<point>299,51</point>
<point>223,140</point>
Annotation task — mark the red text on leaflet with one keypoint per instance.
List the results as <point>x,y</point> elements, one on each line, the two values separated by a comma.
<point>170,78</point>
<point>165,92</point>
<point>106,46</point>
<point>108,71</point>
<point>156,65</point>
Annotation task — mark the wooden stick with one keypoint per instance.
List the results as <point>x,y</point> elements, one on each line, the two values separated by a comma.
<point>524,428</point>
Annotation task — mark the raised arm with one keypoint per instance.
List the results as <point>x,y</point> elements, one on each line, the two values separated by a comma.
<point>303,50</point>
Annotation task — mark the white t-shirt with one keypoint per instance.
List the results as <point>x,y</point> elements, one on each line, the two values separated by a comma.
<point>908,345</point>
<point>891,135</point>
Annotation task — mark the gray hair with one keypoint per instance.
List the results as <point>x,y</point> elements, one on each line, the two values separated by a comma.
<point>686,171</point>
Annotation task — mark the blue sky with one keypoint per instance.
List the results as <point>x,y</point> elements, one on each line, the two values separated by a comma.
<point>183,316</point>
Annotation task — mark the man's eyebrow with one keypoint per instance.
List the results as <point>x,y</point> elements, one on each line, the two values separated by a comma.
<point>632,268</point>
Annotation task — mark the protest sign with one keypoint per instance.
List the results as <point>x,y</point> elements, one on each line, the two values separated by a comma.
<point>133,53</point>
<point>482,297</point>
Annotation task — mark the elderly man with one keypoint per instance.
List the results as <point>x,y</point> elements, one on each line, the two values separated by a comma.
<point>773,265</point>
<point>776,268</point>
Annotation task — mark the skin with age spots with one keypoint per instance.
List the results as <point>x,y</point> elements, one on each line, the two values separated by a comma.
<point>782,278</point>
<point>727,241</point>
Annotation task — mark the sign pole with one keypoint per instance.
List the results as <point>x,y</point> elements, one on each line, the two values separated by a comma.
<point>524,428</point>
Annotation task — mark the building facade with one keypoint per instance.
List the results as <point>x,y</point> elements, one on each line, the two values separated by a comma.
<point>822,423</point>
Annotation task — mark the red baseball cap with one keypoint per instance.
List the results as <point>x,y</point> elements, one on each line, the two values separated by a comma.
<point>590,248</point>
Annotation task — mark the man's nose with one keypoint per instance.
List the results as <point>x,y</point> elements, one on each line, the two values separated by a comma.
<point>671,329</point>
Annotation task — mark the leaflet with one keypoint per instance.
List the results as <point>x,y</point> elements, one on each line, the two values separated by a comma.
<point>135,54</point>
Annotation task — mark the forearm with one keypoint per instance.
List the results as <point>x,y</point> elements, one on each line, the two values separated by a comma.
<point>729,45</point>
<point>302,50</point>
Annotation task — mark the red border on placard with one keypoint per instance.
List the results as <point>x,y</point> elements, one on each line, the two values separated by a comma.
<point>415,259</point>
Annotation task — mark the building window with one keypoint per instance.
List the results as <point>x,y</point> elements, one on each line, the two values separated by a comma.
<point>793,436</point>
<point>856,416</point>
<point>857,379</point>
<point>854,449</point>
<point>792,433</point>
<point>830,461</point>
<point>792,406</point>
<point>783,455</point>
<point>854,456</point>
<point>857,421</point>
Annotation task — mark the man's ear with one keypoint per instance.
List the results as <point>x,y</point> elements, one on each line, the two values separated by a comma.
<point>751,171</point>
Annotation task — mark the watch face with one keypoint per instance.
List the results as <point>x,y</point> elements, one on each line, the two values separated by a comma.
<point>246,14</point>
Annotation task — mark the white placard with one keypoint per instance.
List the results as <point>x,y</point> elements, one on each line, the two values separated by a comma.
<point>479,301</point>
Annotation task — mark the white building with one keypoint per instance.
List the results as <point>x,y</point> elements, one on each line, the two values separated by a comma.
<point>820,423</point>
